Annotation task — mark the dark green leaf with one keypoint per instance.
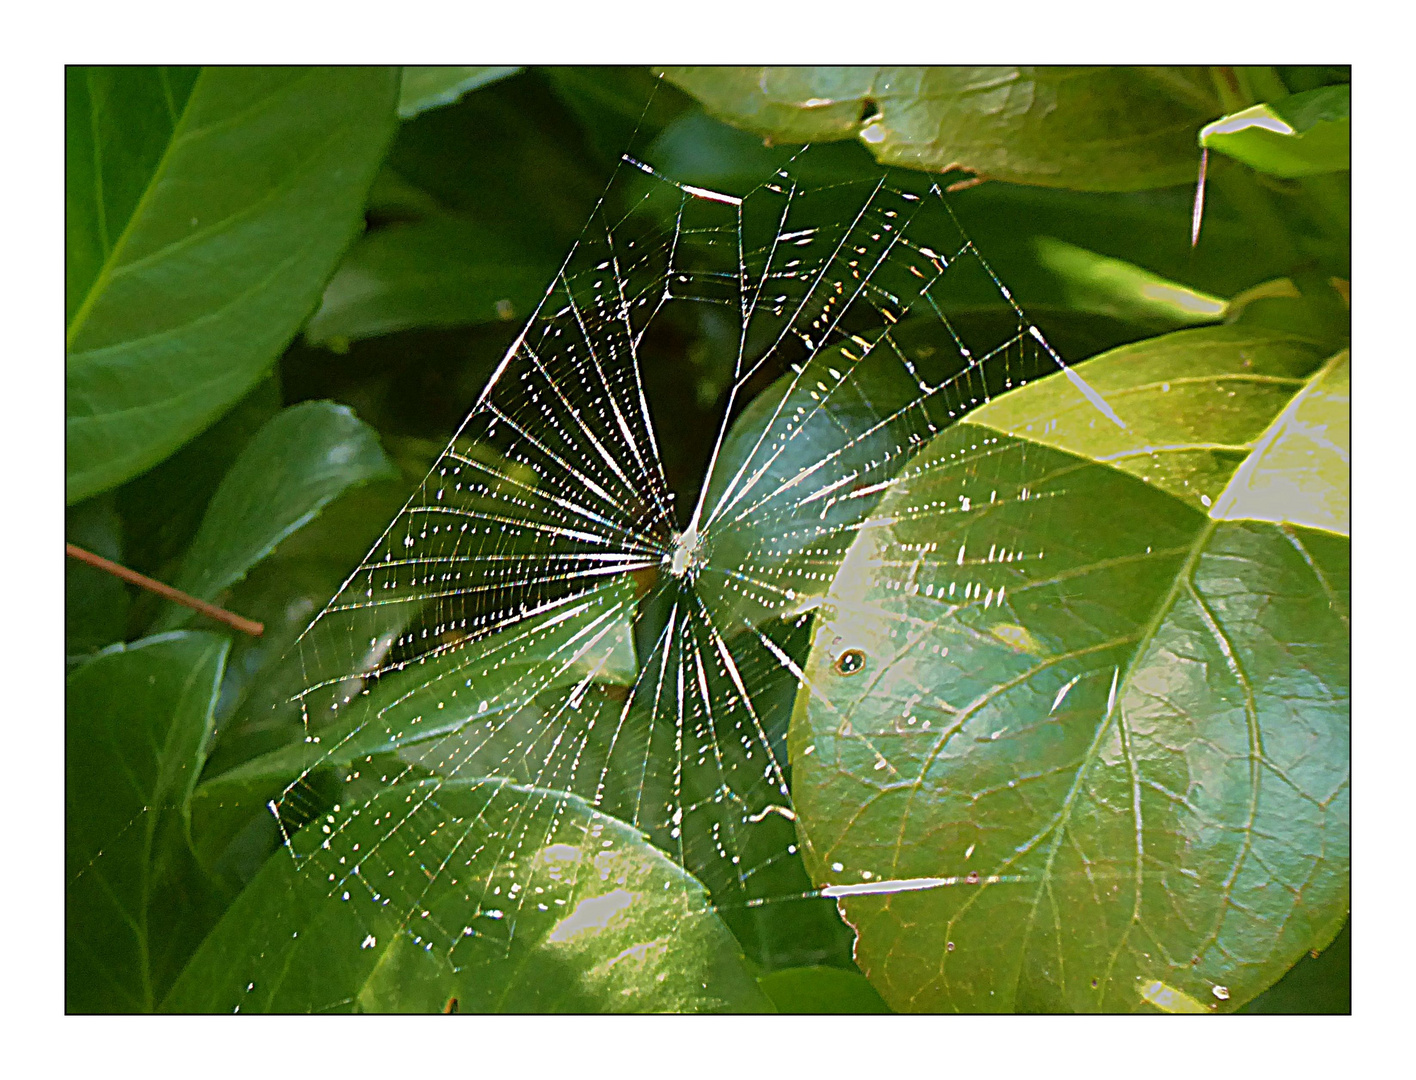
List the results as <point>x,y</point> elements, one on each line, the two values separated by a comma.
<point>1092,129</point>
<point>1301,77</point>
<point>443,270</point>
<point>301,460</point>
<point>205,212</point>
<point>617,107</point>
<point>95,603</point>
<point>162,509</point>
<point>821,990</point>
<point>1304,135</point>
<point>1095,737</point>
<point>138,726</point>
<point>427,88</point>
<point>417,703</point>
<point>584,916</point>
<point>510,158</point>
<point>1319,983</point>
<point>460,237</point>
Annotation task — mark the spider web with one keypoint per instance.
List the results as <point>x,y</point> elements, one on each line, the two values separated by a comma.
<point>544,614</point>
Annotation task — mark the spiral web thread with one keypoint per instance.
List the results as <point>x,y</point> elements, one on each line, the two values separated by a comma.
<point>541,614</point>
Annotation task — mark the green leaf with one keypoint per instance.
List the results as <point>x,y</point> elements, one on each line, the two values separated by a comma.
<point>1307,134</point>
<point>1070,743</point>
<point>444,270</point>
<point>303,458</point>
<point>1123,290</point>
<point>1299,470</point>
<point>510,158</point>
<point>821,990</point>
<point>205,212</point>
<point>423,711</point>
<point>826,454</point>
<point>1091,129</point>
<point>162,509</point>
<point>138,725</point>
<point>1196,404</point>
<point>95,603</point>
<point>260,709</point>
<point>398,705</point>
<point>471,216</point>
<point>1319,983</point>
<point>427,88</point>
<point>1134,268</point>
<point>616,106</point>
<point>584,916</point>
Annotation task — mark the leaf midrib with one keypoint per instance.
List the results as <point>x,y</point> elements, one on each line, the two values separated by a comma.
<point>113,262</point>
<point>110,260</point>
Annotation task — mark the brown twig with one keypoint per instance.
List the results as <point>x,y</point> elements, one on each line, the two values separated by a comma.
<point>177,596</point>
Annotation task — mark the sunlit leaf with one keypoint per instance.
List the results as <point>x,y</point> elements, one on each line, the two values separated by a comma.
<point>603,921</point>
<point>1196,404</point>
<point>1107,286</point>
<point>1306,134</point>
<point>1298,472</point>
<point>1069,743</point>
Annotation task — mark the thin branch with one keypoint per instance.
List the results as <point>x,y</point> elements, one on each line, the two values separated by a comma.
<point>211,611</point>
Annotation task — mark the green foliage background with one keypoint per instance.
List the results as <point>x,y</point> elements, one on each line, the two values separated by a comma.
<point>286,287</point>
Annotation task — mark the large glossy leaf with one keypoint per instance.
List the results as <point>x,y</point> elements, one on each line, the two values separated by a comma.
<point>205,211</point>
<point>1306,134</point>
<point>300,460</point>
<point>1071,742</point>
<point>1197,404</point>
<point>425,88</point>
<point>138,726</point>
<point>1092,129</point>
<point>579,914</point>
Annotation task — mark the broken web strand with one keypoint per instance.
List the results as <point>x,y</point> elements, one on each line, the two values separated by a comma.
<point>553,488</point>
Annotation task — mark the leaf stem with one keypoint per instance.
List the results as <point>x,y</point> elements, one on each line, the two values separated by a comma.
<point>211,611</point>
